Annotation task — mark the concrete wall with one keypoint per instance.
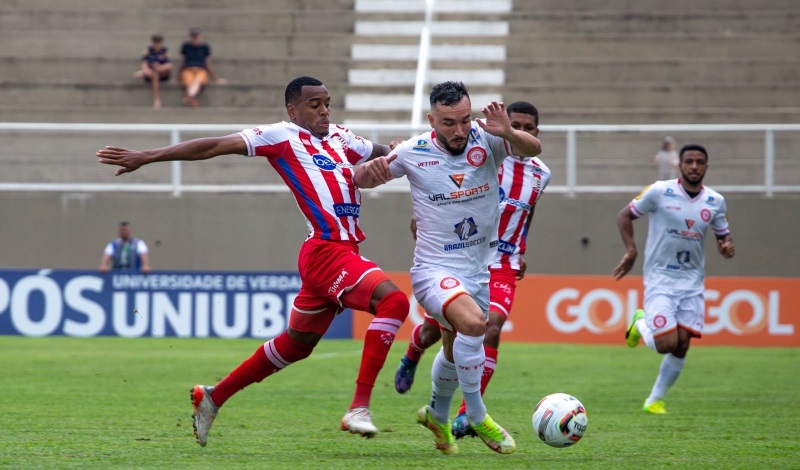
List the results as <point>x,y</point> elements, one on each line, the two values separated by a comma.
<point>264,232</point>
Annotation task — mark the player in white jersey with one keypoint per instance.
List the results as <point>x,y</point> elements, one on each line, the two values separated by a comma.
<point>454,189</point>
<point>316,161</point>
<point>522,181</point>
<point>681,211</point>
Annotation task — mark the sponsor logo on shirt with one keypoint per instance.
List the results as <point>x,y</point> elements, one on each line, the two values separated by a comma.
<point>514,202</point>
<point>458,179</point>
<point>687,234</point>
<point>458,195</point>
<point>430,163</point>
<point>476,156</point>
<point>506,247</point>
<point>422,146</point>
<point>465,230</point>
<point>347,210</point>
<point>710,201</point>
<point>639,196</point>
<point>449,283</point>
<point>326,163</point>
<point>689,223</point>
<point>473,136</point>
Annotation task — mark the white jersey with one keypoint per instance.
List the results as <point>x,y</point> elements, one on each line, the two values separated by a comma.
<point>454,198</point>
<point>522,182</point>
<point>674,256</point>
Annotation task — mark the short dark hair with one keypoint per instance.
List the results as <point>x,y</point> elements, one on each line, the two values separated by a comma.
<point>523,107</point>
<point>295,88</point>
<point>124,223</point>
<point>157,38</point>
<point>690,147</point>
<point>448,93</point>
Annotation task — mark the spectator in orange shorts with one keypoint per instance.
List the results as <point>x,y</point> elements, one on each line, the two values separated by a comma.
<point>155,66</point>
<point>196,68</point>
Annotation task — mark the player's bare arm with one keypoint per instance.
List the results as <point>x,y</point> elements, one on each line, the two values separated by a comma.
<point>625,220</point>
<point>725,246</point>
<point>498,124</point>
<point>374,172</point>
<point>197,149</point>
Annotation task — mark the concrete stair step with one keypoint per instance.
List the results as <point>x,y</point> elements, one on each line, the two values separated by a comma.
<point>214,22</point>
<point>662,45</point>
<point>608,21</point>
<point>273,70</point>
<point>188,5</point>
<point>241,46</point>
<point>652,5</point>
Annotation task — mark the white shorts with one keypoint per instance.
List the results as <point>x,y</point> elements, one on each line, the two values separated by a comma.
<point>435,288</point>
<point>667,311</point>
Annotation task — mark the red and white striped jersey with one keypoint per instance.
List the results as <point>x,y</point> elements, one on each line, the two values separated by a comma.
<point>319,172</point>
<point>521,185</point>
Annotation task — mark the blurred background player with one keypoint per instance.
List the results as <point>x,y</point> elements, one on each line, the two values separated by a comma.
<point>155,66</point>
<point>196,67</point>
<point>666,160</point>
<point>450,276</point>
<point>681,210</point>
<point>126,253</point>
<point>522,181</point>
<point>315,158</point>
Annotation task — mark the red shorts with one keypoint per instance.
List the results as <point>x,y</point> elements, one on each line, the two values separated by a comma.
<point>502,284</point>
<point>329,270</point>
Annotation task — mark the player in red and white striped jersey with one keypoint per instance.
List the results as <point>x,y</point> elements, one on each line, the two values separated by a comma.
<point>316,161</point>
<point>522,181</point>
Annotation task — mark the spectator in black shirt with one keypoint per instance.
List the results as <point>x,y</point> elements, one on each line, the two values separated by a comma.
<point>196,68</point>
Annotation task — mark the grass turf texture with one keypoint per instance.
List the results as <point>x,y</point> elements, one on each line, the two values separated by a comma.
<point>114,402</point>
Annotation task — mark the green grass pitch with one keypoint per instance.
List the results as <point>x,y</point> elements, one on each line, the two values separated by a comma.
<point>124,403</point>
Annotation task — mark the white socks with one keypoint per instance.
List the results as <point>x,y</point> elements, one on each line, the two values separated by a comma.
<point>671,368</point>
<point>470,357</point>
<point>445,383</point>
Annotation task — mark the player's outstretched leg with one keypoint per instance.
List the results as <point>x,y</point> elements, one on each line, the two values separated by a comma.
<point>441,432</point>
<point>494,436</point>
<point>632,335</point>
<point>404,377</point>
<point>359,421</point>
<point>204,412</point>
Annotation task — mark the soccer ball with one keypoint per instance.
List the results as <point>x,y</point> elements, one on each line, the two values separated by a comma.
<point>559,420</point>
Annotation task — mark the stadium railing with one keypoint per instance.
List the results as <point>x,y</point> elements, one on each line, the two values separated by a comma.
<point>760,174</point>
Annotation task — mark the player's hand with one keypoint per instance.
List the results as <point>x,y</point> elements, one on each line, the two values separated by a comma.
<point>726,248</point>
<point>378,168</point>
<point>395,142</point>
<point>129,160</point>
<point>625,265</point>
<point>497,122</point>
<point>414,227</point>
<point>523,266</point>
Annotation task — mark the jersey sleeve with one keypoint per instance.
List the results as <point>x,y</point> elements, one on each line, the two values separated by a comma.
<point>264,141</point>
<point>397,166</point>
<point>359,149</point>
<point>645,202</point>
<point>109,250</point>
<point>720,221</point>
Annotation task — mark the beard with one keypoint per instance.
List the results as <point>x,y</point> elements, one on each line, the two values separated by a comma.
<point>692,179</point>
<point>454,150</point>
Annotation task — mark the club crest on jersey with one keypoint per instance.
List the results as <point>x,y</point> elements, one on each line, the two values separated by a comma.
<point>449,283</point>
<point>476,156</point>
<point>705,214</point>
